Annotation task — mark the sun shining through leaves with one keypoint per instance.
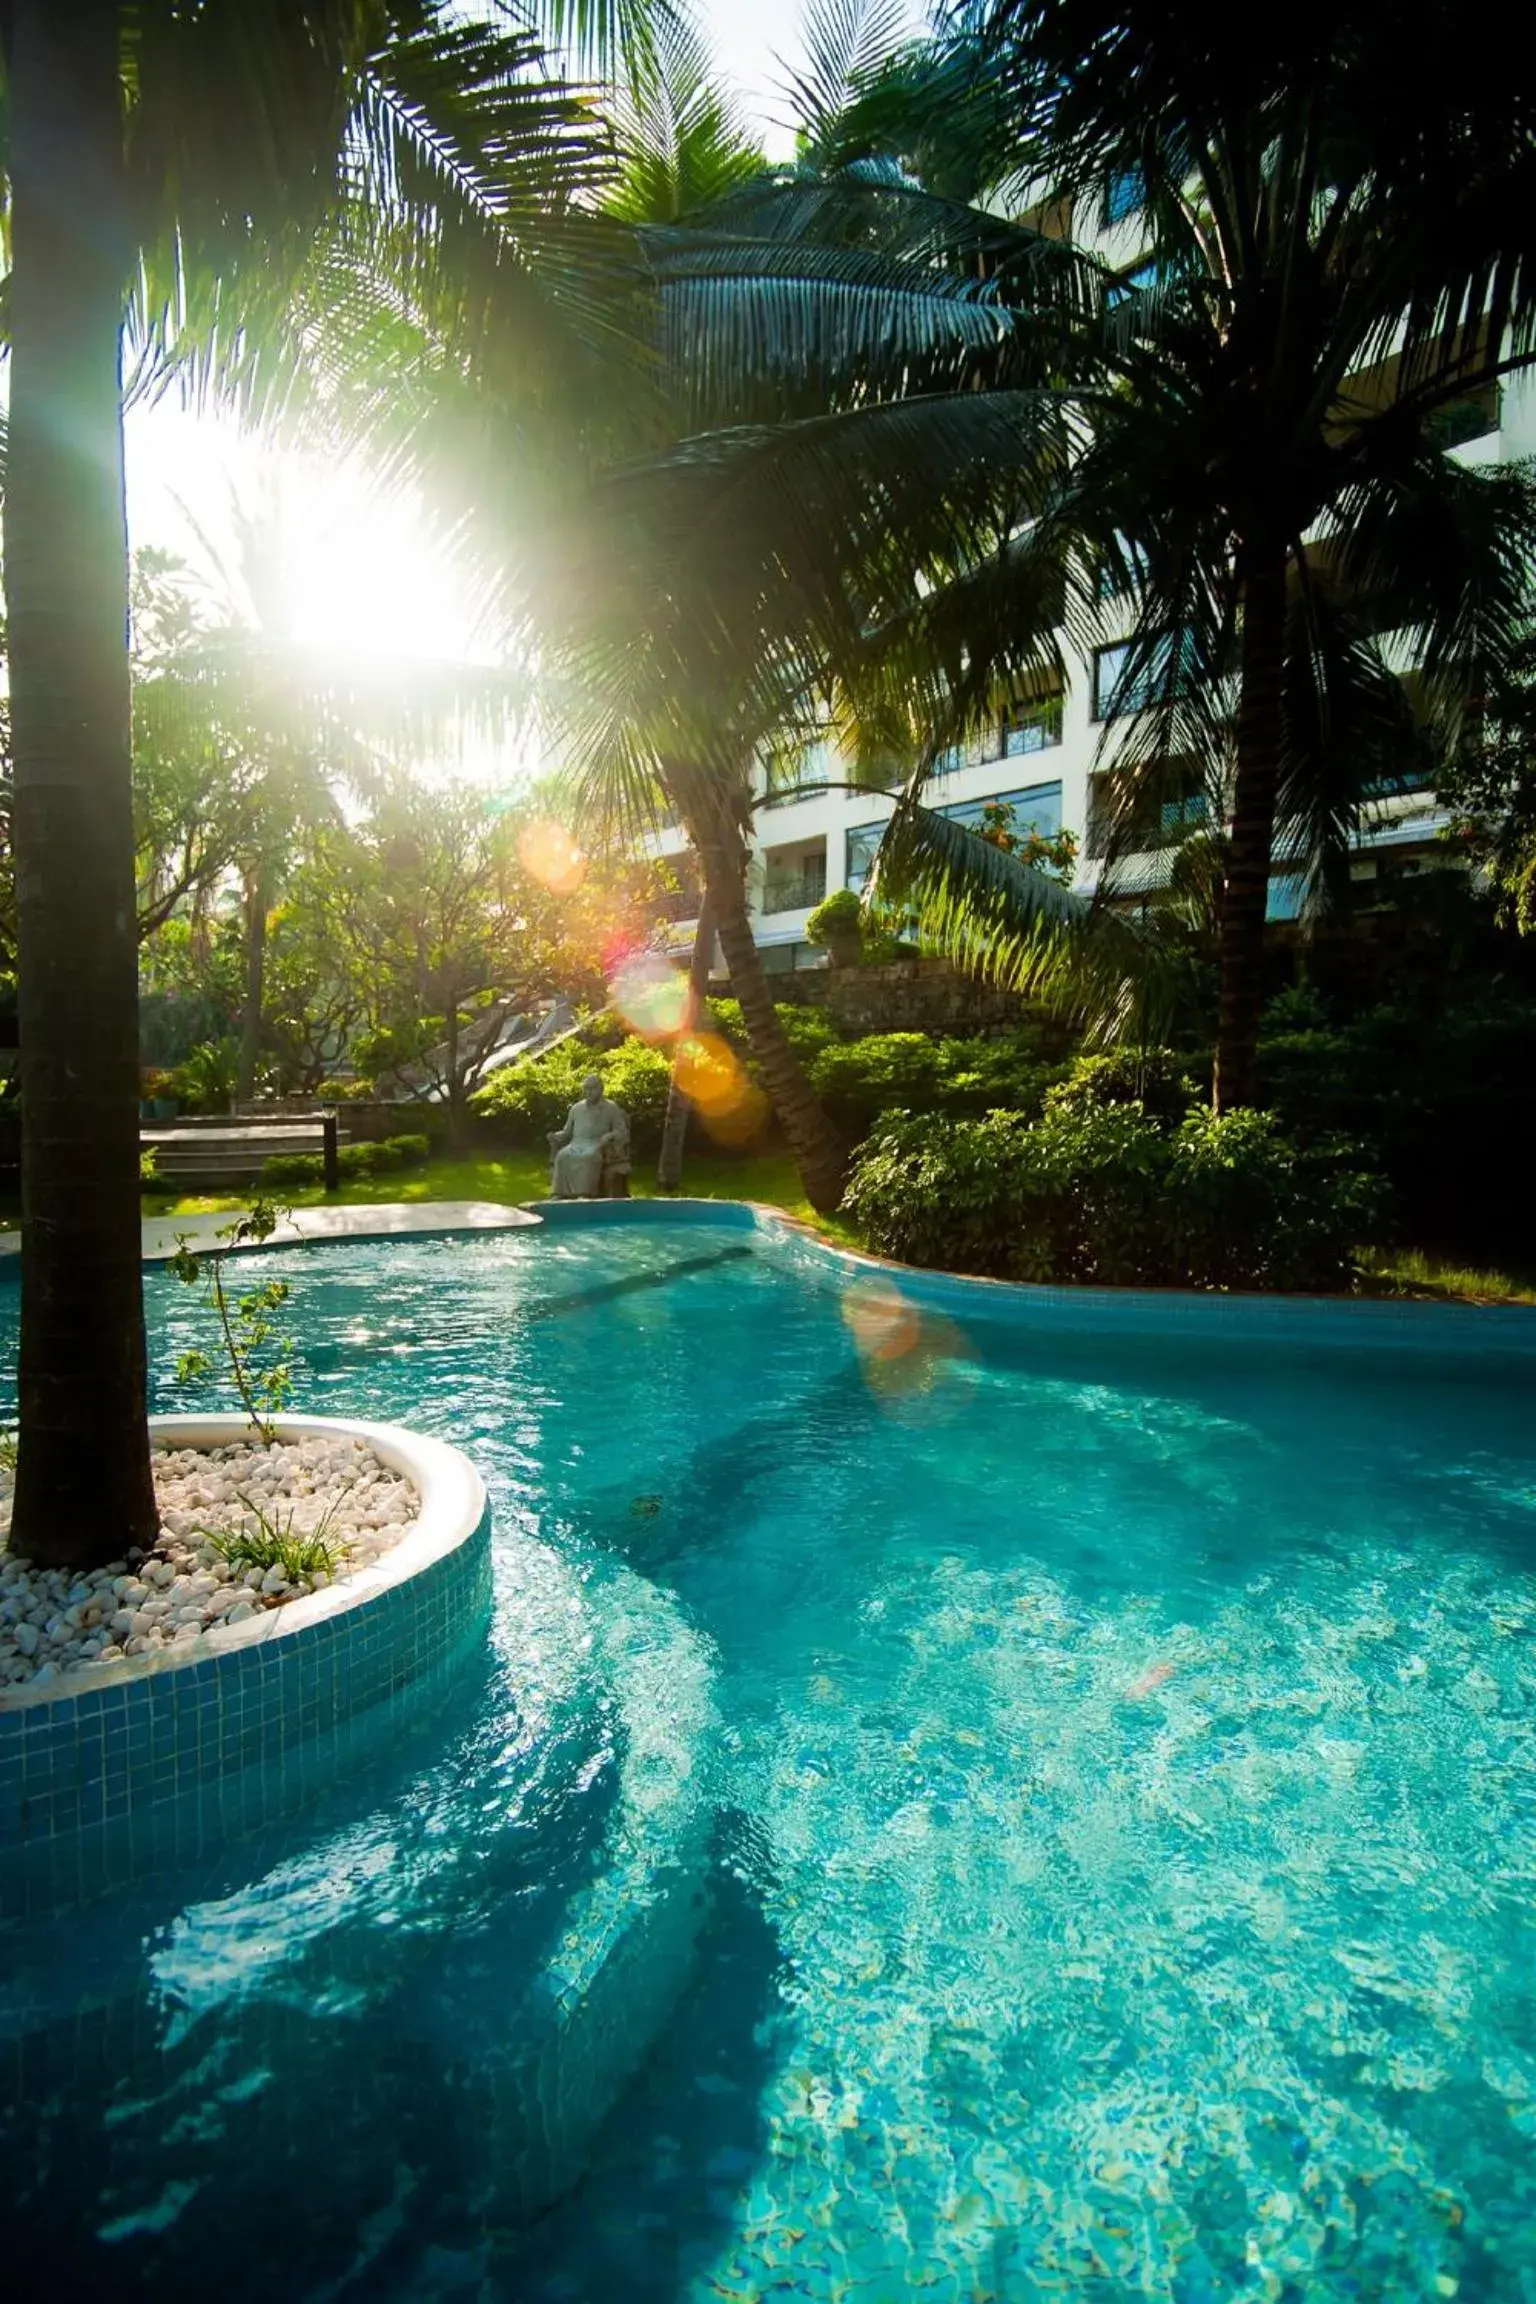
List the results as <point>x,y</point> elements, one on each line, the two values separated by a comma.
<point>652,996</point>
<point>550,854</point>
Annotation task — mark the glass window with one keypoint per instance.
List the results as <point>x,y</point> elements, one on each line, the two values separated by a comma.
<point>1031,726</point>
<point>862,841</point>
<point>805,771</point>
<point>1037,808</point>
<point>1176,817</point>
<point>1124,194</point>
<point>1129,676</point>
<point>1133,283</point>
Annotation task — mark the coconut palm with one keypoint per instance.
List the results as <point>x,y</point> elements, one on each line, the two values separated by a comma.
<point>246,193</point>
<point>645,745</point>
<point>1242,457</point>
<point>762,314</point>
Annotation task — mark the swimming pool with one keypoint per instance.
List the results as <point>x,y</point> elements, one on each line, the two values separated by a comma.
<point>1080,1779</point>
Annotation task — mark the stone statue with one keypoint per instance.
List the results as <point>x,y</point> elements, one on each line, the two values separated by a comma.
<point>589,1156</point>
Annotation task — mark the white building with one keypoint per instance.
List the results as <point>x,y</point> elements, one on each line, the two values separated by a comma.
<point>1043,758</point>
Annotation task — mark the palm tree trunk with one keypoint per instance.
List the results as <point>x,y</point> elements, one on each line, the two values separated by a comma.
<point>83,1487</point>
<point>818,1150</point>
<point>1245,893</point>
<point>255,981</point>
<point>674,1129</point>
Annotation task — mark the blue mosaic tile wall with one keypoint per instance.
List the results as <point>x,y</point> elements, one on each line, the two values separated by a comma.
<point>106,1786</point>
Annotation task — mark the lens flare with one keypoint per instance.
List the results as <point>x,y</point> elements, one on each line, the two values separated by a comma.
<point>549,855</point>
<point>651,996</point>
<point>885,1326</point>
<point>733,1108</point>
<point>904,1352</point>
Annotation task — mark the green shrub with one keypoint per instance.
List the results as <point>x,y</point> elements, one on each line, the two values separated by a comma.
<point>637,1077</point>
<point>1447,1100</point>
<point>353,1161</point>
<point>857,1080</point>
<point>293,1168</point>
<point>838,919</point>
<point>808,1030</point>
<point>1110,1193</point>
<point>1155,1078</point>
<point>526,1102</point>
<point>206,1082</point>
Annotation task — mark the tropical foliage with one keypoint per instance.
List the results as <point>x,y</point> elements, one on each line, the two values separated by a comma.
<point>1110,1193</point>
<point>1225,468</point>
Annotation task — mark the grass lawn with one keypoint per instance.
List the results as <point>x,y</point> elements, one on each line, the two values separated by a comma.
<point>1410,1272</point>
<point>765,1176</point>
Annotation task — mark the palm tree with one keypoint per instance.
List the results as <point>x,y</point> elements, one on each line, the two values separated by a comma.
<point>645,746</point>
<point>231,170</point>
<point>1246,453</point>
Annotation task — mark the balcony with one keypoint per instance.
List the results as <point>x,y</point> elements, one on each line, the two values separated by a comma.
<point>796,890</point>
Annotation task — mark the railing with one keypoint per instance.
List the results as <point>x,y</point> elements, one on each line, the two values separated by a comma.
<point>794,891</point>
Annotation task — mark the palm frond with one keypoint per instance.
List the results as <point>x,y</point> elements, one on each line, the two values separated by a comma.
<point>991,914</point>
<point>846,43</point>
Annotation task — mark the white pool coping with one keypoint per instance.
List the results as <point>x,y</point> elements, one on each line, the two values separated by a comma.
<point>380,1220</point>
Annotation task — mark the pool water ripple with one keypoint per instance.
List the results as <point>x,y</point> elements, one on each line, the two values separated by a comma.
<point>1124,1758</point>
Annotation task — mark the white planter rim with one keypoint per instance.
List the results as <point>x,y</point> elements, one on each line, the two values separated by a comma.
<point>452,1506</point>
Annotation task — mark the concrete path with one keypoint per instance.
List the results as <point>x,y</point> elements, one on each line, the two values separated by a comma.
<point>384,1220</point>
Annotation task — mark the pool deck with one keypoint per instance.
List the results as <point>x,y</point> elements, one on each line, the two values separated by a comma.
<point>385,1220</point>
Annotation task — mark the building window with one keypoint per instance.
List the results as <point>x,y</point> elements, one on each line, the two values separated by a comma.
<point>1470,418</point>
<point>790,959</point>
<point>788,775</point>
<point>1032,725</point>
<point>794,883</point>
<point>1176,819</point>
<point>1134,283</point>
<point>1130,675</point>
<point>1145,823</point>
<point>1287,895</point>
<point>950,761</point>
<point>1124,195</point>
<point>862,842</point>
<point>1036,808</point>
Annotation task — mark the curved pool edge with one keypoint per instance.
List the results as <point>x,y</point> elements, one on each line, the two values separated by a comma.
<point>111,1772</point>
<point>1391,1323</point>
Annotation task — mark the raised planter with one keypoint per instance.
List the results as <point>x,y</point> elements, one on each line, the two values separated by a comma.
<point>113,1771</point>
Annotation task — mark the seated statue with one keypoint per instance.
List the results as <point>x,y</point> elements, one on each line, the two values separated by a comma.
<point>590,1154</point>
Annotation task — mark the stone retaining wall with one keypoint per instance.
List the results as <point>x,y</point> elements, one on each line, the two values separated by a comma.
<point>909,996</point>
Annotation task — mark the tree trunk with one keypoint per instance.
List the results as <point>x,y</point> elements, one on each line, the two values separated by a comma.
<point>83,1487</point>
<point>818,1150</point>
<point>674,1129</point>
<point>1245,892</point>
<point>455,1080</point>
<point>255,979</point>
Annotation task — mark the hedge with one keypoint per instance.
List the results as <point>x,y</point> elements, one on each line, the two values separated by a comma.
<point>352,1160</point>
<point>527,1102</point>
<point>1112,1193</point>
<point>857,1080</point>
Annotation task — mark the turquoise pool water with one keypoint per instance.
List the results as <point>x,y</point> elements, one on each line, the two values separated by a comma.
<point>1078,1793</point>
